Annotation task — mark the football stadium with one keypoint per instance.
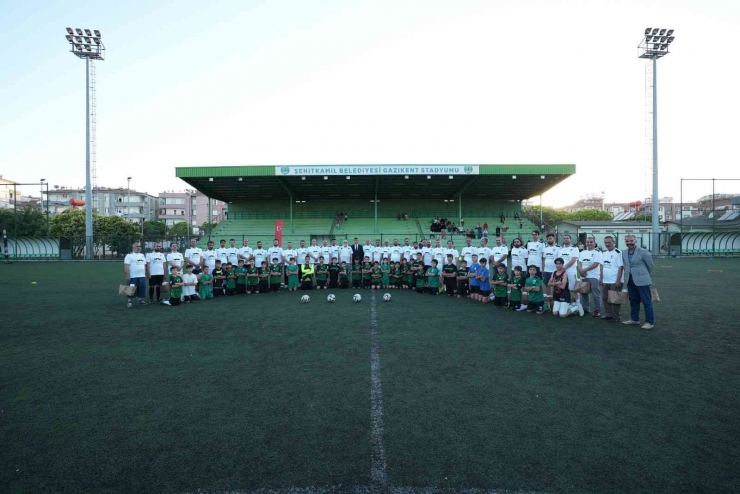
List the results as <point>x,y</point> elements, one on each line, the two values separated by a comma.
<point>406,393</point>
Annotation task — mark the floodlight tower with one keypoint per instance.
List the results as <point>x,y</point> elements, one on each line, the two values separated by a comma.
<point>87,45</point>
<point>655,45</point>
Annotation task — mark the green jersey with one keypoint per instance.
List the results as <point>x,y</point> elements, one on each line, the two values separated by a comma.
<point>240,279</point>
<point>205,278</point>
<point>252,280</point>
<point>368,268</point>
<point>420,265</point>
<point>322,272</point>
<point>175,291</point>
<point>292,271</point>
<point>377,274</point>
<point>434,279</point>
<point>462,273</point>
<point>276,274</point>
<point>500,290</point>
<point>535,296</point>
<point>356,274</point>
<point>343,273</point>
<point>385,268</point>
<point>516,291</point>
<point>230,279</point>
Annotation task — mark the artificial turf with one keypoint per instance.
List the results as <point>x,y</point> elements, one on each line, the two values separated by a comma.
<point>264,392</point>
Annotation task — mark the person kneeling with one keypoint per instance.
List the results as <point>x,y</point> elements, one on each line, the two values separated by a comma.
<point>560,293</point>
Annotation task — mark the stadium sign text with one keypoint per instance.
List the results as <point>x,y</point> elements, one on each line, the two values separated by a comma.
<point>294,170</point>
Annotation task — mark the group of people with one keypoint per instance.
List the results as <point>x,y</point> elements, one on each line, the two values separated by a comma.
<point>538,277</point>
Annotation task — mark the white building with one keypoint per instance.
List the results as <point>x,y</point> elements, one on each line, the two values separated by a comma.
<point>9,195</point>
<point>132,205</point>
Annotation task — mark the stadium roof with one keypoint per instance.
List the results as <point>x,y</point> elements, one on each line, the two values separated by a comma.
<point>241,183</point>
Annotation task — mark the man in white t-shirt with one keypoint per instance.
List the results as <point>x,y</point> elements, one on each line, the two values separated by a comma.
<point>367,249</point>
<point>289,253</point>
<point>245,252</point>
<point>377,252</point>
<point>314,252</point>
<point>451,250</point>
<point>232,253</point>
<point>519,255</point>
<point>210,255</point>
<point>259,254</point>
<point>222,253</point>
<point>408,251</point>
<point>569,254</point>
<point>395,251</point>
<point>500,254</point>
<point>612,269</point>
<point>468,251</point>
<point>325,251</point>
<point>484,251</point>
<point>274,252</point>
<point>386,250</point>
<point>333,251</point>
<point>439,253</point>
<point>426,253</point>
<point>301,253</point>
<point>589,267</point>
<point>155,265</point>
<point>134,267</point>
<point>345,254</point>
<point>535,248</point>
<point>549,254</point>
<point>194,256</point>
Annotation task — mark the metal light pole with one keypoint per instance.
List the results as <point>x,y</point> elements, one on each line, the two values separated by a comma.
<point>87,45</point>
<point>655,45</point>
<point>128,198</point>
<point>41,195</point>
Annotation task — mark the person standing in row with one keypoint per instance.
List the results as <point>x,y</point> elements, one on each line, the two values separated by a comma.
<point>638,266</point>
<point>194,256</point>
<point>549,254</point>
<point>134,268</point>
<point>589,267</point>
<point>612,269</point>
<point>155,266</point>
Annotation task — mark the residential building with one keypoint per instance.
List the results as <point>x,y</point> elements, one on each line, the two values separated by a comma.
<point>9,195</point>
<point>129,204</point>
<point>590,201</point>
<point>190,206</point>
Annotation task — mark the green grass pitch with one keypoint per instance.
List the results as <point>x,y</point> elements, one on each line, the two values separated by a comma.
<point>263,392</point>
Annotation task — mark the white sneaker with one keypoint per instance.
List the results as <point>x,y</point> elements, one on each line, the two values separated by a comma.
<point>165,302</point>
<point>522,308</point>
<point>129,305</point>
<point>580,310</point>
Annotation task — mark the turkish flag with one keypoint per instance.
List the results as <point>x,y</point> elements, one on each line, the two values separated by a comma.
<point>279,232</point>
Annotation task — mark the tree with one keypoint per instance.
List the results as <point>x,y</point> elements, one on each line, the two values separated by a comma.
<point>206,228</point>
<point>116,233</point>
<point>71,224</point>
<point>589,215</point>
<point>154,229</point>
<point>27,222</point>
<point>550,216</point>
<point>643,217</point>
<point>181,229</point>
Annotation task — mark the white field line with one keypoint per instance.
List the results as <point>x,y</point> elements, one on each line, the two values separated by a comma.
<point>378,467</point>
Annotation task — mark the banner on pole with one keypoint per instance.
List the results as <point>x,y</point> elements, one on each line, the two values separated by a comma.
<point>279,232</point>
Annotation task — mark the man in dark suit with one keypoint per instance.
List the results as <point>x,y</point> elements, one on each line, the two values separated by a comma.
<point>358,253</point>
<point>638,264</point>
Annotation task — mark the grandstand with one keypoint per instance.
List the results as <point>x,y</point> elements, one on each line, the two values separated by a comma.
<point>308,197</point>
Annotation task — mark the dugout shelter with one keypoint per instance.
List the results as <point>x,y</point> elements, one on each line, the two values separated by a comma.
<point>307,197</point>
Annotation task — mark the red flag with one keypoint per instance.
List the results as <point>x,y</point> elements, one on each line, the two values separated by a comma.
<point>279,232</point>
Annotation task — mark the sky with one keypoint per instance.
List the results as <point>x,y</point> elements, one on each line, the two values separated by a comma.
<point>191,83</point>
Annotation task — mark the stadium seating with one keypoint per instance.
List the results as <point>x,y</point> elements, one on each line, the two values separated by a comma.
<point>470,223</point>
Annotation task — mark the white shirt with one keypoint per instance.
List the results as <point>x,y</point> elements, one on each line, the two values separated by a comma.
<point>210,257</point>
<point>535,253</point>
<point>485,253</point>
<point>519,257</point>
<point>550,252</point>
<point>345,254</point>
<point>194,254</point>
<point>333,253</point>
<point>274,253</point>
<point>223,255</point>
<point>455,255</point>
<point>498,252</point>
<point>612,261</point>
<point>426,252</point>
<point>289,254</point>
<point>232,255</point>
<point>467,254</point>
<point>136,265</point>
<point>301,252</point>
<point>439,254</point>
<point>589,258</point>
<point>245,253</point>
<point>259,256</point>
<point>190,278</point>
<point>314,251</point>
<point>175,258</point>
<point>325,251</point>
<point>408,252</point>
<point>368,251</point>
<point>395,251</point>
<point>377,253</point>
<point>568,253</point>
<point>156,261</point>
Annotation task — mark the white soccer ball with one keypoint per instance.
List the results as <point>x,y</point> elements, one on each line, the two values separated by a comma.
<point>305,299</point>
<point>331,298</point>
<point>357,298</point>
<point>387,297</point>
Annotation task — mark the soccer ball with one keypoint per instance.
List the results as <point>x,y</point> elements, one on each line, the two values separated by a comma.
<point>357,297</point>
<point>387,297</point>
<point>330,298</point>
<point>305,299</point>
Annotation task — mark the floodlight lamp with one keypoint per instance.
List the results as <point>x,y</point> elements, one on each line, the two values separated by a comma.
<point>303,178</point>
<point>514,177</point>
<point>669,33</point>
<point>87,31</point>
<point>647,31</point>
<point>451,177</point>
<point>542,177</point>
<point>97,33</point>
<point>662,32</point>
<point>326,178</point>
<point>406,177</point>
<point>69,38</point>
<point>88,48</point>
<point>655,31</point>
<point>97,41</point>
<point>240,179</point>
<point>670,39</point>
<point>79,31</point>
<point>663,47</point>
<point>429,177</point>
<point>79,39</point>
<point>347,177</point>
<point>648,38</point>
<point>69,30</point>
<point>210,179</point>
<point>662,39</point>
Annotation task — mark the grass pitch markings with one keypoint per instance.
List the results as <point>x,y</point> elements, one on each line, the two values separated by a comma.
<point>378,468</point>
